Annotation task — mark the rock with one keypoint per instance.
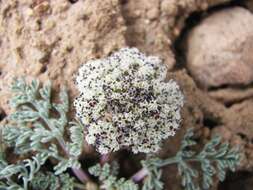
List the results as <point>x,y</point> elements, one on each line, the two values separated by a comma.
<point>239,118</point>
<point>229,96</point>
<point>219,49</point>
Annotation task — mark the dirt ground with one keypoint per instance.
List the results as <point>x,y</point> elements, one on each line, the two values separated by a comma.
<point>206,44</point>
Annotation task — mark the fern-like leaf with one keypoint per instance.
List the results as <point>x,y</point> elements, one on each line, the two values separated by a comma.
<point>153,180</point>
<point>48,180</point>
<point>110,181</point>
<point>77,138</point>
<point>37,127</point>
<point>215,159</point>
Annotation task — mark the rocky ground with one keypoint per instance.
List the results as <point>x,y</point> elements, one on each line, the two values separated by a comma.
<point>207,45</point>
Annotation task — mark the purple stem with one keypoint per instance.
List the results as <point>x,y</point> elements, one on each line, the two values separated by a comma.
<point>104,158</point>
<point>79,173</point>
<point>140,175</point>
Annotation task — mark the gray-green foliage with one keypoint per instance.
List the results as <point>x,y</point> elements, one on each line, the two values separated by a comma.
<point>215,159</point>
<point>77,139</point>
<point>153,179</point>
<point>48,180</point>
<point>25,170</point>
<point>37,127</point>
<point>108,177</point>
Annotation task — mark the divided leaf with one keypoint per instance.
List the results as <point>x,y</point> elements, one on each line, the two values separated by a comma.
<point>214,159</point>
<point>37,127</point>
<point>110,181</point>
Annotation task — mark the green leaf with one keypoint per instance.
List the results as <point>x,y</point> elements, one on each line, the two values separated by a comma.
<point>25,115</point>
<point>63,165</point>
<point>109,181</point>
<point>37,129</point>
<point>64,99</point>
<point>153,180</point>
<point>45,91</point>
<point>50,181</point>
<point>214,158</point>
<point>77,138</point>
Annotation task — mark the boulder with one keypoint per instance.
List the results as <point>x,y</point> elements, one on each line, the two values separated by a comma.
<point>219,49</point>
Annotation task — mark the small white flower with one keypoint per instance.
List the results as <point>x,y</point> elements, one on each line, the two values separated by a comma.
<point>125,102</point>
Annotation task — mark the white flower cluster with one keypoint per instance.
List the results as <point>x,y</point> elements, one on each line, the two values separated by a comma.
<point>125,102</point>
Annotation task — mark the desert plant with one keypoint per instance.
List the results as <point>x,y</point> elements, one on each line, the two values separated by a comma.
<point>124,103</point>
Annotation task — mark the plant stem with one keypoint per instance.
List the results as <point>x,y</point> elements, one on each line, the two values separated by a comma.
<point>104,158</point>
<point>79,173</point>
<point>169,161</point>
<point>142,173</point>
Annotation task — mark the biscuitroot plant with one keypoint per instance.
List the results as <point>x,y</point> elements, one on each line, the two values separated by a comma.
<point>125,102</point>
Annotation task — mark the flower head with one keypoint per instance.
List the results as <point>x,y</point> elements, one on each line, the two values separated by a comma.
<point>125,102</point>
